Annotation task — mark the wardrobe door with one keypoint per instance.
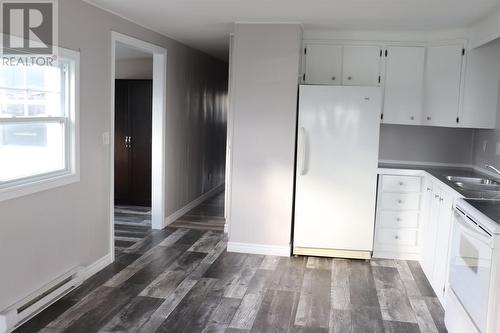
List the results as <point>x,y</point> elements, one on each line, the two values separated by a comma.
<point>140,113</point>
<point>122,160</point>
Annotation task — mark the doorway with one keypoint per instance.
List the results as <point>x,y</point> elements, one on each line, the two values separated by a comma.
<point>137,187</point>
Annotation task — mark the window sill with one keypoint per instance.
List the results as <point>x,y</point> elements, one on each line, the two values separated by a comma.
<point>45,184</point>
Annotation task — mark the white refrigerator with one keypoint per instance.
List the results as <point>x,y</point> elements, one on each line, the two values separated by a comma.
<point>337,160</point>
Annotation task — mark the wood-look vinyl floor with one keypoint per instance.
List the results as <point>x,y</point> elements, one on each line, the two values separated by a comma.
<point>207,216</point>
<point>184,280</point>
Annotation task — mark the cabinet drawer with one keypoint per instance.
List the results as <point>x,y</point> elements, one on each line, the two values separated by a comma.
<point>398,219</point>
<point>400,201</point>
<point>397,238</point>
<point>403,184</point>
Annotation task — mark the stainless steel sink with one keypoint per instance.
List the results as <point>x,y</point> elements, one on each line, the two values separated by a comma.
<point>478,187</point>
<point>476,183</point>
<point>472,180</point>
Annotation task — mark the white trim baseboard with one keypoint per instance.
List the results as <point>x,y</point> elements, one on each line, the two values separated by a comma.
<point>196,202</point>
<point>270,250</point>
<point>96,267</point>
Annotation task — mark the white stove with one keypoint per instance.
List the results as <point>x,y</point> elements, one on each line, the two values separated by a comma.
<point>473,296</point>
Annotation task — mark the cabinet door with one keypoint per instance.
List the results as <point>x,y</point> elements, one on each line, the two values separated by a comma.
<point>323,64</point>
<point>442,85</point>
<point>404,85</point>
<point>440,273</point>
<point>482,80</point>
<point>361,65</point>
<point>429,232</point>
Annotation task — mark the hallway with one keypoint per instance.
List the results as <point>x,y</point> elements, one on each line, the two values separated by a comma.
<point>207,216</point>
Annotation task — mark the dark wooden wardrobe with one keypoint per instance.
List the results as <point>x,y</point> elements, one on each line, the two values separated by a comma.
<point>133,126</point>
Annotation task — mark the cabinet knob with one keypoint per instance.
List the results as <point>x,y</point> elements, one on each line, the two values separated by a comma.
<point>401,183</point>
<point>428,189</point>
<point>399,219</point>
<point>333,78</point>
<point>441,199</point>
<point>429,118</point>
<point>396,237</point>
<point>400,201</point>
<point>349,77</point>
<point>436,196</point>
<point>412,118</point>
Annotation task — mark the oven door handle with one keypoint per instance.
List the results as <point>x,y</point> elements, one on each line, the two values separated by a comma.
<point>474,231</point>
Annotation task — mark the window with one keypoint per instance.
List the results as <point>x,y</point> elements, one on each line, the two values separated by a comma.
<point>38,126</point>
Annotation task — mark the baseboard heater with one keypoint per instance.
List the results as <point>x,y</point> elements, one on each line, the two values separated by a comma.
<point>22,311</point>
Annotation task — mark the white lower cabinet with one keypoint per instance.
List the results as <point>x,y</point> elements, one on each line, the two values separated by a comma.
<point>414,222</point>
<point>436,236</point>
<point>398,208</point>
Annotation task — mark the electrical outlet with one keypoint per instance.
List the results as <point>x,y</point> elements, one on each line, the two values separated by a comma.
<point>498,148</point>
<point>485,145</point>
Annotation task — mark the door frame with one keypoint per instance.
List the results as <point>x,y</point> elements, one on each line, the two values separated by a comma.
<point>158,150</point>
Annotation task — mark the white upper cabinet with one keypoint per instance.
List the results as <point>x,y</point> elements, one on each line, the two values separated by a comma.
<point>442,85</point>
<point>404,79</point>
<point>482,78</point>
<point>438,84</point>
<point>323,64</point>
<point>342,64</point>
<point>361,65</point>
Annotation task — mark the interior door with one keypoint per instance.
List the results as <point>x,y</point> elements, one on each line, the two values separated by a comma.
<point>337,162</point>
<point>404,79</point>
<point>361,65</point>
<point>140,105</point>
<point>323,64</point>
<point>133,131</point>
<point>442,85</point>
<point>122,158</point>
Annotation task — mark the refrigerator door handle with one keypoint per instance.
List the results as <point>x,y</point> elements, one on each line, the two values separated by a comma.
<point>302,151</point>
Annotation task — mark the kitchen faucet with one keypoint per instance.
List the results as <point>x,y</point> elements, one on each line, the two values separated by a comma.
<point>493,168</point>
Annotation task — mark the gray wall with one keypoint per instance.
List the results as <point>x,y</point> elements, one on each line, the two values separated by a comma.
<point>426,144</point>
<point>134,69</point>
<point>45,234</point>
<point>265,70</point>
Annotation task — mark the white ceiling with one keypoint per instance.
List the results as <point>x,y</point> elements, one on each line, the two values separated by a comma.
<point>206,24</point>
<point>125,52</point>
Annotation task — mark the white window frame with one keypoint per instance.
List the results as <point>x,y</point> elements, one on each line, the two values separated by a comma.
<point>71,174</point>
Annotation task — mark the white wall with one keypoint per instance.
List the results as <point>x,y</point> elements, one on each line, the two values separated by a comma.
<point>265,70</point>
<point>45,234</point>
<point>134,69</point>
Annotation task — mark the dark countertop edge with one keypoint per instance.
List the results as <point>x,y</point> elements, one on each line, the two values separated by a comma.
<point>440,174</point>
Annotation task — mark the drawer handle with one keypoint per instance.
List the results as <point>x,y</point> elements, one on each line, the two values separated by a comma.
<point>428,189</point>
<point>436,196</point>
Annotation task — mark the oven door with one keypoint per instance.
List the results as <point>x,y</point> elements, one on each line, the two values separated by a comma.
<point>470,268</point>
